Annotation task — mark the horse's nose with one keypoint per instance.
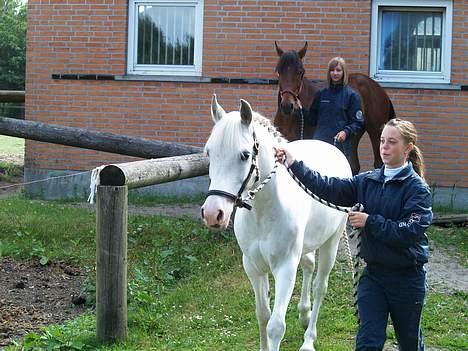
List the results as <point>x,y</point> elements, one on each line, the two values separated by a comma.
<point>287,108</point>
<point>220,216</point>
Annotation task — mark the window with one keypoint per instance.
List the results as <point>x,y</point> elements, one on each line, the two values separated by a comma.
<point>411,41</point>
<point>165,37</point>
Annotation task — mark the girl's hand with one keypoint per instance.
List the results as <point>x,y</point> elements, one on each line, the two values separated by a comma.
<point>283,155</point>
<point>341,136</point>
<point>358,219</point>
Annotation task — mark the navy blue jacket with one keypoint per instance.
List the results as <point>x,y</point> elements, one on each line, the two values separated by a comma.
<point>400,210</point>
<point>334,109</point>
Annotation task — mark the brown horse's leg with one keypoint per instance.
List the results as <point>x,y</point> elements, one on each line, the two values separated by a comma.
<point>374,136</point>
<point>352,154</point>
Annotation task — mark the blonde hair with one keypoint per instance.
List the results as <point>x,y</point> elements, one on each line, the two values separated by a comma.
<point>332,64</point>
<point>409,134</point>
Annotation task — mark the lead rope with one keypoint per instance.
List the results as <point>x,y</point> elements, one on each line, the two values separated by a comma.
<point>302,124</point>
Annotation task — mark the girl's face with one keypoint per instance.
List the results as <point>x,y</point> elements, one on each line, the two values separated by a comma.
<point>393,149</point>
<point>336,74</point>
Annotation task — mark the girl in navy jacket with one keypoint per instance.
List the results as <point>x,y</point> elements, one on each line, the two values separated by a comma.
<point>336,111</point>
<point>397,211</point>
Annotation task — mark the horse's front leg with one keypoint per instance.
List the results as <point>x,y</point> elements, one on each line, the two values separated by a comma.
<point>285,277</point>
<point>261,289</point>
<point>326,260</point>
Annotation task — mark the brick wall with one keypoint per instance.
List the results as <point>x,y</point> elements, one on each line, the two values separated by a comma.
<point>76,37</point>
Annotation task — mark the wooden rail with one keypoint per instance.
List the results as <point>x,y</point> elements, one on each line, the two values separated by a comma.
<point>12,96</point>
<point>91,139</point>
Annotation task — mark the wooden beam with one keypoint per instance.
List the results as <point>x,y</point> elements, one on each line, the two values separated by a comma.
<point>111,265</point>
<point>12,96</point>
<point>461,219</point>
<point>90,139</point>
<point>149,172</point>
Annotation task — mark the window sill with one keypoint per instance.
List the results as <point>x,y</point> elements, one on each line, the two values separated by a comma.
<point>426,86</point>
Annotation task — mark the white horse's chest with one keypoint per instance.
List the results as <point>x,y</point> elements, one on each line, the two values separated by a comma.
<point>265,240</point>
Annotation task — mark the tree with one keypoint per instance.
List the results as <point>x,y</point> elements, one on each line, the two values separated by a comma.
<point>12,44</point>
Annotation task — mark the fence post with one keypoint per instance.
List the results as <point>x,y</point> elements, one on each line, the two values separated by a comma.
<point>111,257</point>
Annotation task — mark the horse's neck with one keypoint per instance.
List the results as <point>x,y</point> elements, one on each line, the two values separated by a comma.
<point>310,88</point>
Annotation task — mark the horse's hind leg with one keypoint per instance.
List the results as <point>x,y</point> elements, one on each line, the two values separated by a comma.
<point>352,154</point>
<point>261,288</point>
<point>326,260</point>
<point>308,266</point>
<point>374,136</point>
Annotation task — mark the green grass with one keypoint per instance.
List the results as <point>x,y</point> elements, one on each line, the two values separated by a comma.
<point>139,199</point>
<point>11,146</point>
<point>187,289</point>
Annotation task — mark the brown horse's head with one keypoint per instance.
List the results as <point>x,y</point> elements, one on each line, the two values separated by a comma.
<point>290,79</point>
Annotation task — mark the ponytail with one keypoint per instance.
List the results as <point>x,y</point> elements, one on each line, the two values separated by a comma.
<point>416,158</point>
<point>410,135</point>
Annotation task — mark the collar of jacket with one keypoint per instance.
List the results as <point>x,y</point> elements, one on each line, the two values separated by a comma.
<point>336,86</point>
<point>378,174</point>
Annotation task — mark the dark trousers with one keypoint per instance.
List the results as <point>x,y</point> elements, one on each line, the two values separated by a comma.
<point>399,294</point>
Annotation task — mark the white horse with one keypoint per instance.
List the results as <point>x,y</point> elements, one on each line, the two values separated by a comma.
<point>284,227</point>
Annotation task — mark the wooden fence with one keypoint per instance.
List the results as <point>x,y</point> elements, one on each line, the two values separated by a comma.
<point>111,231</point>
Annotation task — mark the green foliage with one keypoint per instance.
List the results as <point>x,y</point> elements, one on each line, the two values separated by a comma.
<point>12,44</point>
<point>9,171</point>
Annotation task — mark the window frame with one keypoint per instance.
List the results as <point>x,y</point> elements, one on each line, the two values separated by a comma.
<point>164,70</point>
<point>412,76</point>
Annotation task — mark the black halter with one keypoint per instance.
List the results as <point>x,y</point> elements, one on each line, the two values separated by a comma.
<point>237,199</point>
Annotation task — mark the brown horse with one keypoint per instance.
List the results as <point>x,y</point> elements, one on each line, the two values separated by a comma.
<point>296,94</point>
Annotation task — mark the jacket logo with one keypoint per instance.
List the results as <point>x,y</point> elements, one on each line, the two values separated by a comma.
<point>359,116</point>
<point>327,101</point>
<point>414,218</point>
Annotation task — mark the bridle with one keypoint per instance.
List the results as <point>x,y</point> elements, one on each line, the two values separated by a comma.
<point>237,199</point>
<point>298,102</point>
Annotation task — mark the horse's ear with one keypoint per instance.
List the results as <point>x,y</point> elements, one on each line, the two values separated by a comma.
<point>279,51</point>
<point>217,112</point>
<point>303,51</point>
<point>245,112</point>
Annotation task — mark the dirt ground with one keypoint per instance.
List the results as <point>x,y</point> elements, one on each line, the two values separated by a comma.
<point>33,295</point>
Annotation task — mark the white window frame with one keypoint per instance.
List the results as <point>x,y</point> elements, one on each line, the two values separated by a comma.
<point>164,70</point>
<point>411,76</point>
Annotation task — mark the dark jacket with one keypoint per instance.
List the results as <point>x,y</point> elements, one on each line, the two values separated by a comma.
<point>400,210</point>
<point>334,109</point>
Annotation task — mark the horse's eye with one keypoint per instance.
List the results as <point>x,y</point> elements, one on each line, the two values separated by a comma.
<point>245,155</point>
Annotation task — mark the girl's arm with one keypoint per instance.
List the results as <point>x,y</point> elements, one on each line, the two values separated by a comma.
<point>355,116</point>
<point>416,216</point>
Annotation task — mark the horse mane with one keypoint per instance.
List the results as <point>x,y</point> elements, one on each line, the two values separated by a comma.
<point>287,59</point>
<point>271,129</point>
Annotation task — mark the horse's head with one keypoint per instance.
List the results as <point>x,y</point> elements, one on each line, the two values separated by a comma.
<point>290,72</point>
<point>232,151</point>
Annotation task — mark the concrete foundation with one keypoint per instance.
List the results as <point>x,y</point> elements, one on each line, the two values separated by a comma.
<point>75,185</point>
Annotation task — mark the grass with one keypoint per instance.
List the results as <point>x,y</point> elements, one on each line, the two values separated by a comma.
<point>187,289</point>
<point>11,145</point>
